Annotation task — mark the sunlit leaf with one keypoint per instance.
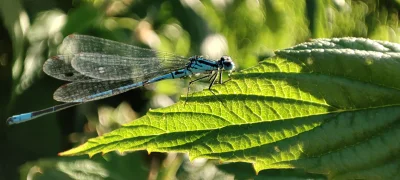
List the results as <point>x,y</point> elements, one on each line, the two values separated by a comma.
<point>330,106</point>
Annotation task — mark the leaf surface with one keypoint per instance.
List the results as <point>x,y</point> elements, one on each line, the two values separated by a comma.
<point>329,106</point>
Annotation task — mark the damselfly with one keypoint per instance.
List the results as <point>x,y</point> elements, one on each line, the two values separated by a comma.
<point>100,68</point>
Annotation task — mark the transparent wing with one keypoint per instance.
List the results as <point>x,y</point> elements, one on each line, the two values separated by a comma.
<point>115,67</point>
<point>60,67</point>
<point>74,91</point>
<point>75,44</point>
<point>103,59</point>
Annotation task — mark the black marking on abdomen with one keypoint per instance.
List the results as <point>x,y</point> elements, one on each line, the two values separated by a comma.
<point>178,72</point>
<point>55,108</point>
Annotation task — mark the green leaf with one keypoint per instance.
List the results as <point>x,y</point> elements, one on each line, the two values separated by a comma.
<point>246,171</point>
<point>113,167</point>
<point>330,106</point>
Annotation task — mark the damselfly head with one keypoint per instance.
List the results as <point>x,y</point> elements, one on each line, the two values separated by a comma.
<point>227,63</point>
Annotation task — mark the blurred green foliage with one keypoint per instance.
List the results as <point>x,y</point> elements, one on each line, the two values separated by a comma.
<point>247,30</point>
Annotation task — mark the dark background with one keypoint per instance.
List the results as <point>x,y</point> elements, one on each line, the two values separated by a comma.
<point>247,30</point>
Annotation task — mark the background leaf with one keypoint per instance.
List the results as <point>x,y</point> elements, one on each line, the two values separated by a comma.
<point>329,106</point>
<point>110,166</point>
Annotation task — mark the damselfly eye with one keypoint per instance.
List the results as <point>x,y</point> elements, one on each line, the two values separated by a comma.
<point>227,63</point>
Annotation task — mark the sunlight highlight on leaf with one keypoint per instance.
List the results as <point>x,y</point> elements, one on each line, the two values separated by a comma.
<point>329,106</point>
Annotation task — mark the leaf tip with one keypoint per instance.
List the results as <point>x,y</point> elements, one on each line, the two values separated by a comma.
<point>92,154</point>
<point>66,153</point>
<point>256,168</point>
